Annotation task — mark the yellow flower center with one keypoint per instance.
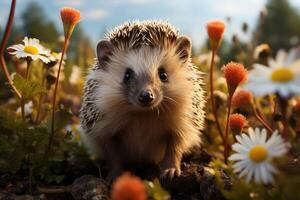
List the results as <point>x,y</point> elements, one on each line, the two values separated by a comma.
<point>54,54</point>
<point>282,75</point>
<point>258,154</point>
<point>31,50</point>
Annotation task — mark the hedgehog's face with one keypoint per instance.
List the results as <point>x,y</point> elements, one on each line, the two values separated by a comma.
<point>148,77</point>
<point>141,89</point>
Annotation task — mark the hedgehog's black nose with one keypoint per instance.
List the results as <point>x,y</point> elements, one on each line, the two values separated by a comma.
<point>146,97</point>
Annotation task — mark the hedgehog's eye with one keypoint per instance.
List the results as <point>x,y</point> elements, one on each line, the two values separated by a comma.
<point>128,75</point>
<point>163,74</point>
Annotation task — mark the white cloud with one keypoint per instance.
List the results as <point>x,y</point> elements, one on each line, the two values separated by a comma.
<point>234,8</point>
<point>95,14</point>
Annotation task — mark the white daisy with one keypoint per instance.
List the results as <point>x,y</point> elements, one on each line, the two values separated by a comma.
<point>281,76</point>
<point>254,154</point>
<point>27,109</point>
<point>30,49</point>
<point>75,75</point>
<point>55,57</point>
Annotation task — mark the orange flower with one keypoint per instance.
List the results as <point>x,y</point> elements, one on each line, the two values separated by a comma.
<point>215,30</point>
<point>235,74</point>
<point>70,17</point>
<point>242,98</point>
<point>237,123</point>
<point>128,187</point>
<point>296,106</point>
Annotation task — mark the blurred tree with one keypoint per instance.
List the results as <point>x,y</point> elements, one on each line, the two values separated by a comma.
<point>37,25</point>
<point>279,27</point>
<point>80,52</point>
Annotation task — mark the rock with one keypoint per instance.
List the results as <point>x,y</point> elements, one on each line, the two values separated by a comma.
<point>25,197</point>
<point>7,196</point>
<point>208,188</point>
<point>188,182</point>
<point>89,187</point>
<point>195,183</point>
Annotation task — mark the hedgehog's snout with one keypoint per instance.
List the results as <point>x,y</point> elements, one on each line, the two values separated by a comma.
<point>146,97</point>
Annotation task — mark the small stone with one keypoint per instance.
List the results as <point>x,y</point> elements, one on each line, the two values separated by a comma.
<point>89,187</point>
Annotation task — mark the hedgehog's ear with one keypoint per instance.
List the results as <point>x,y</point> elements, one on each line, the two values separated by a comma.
<point>184,47</point>
<point>104,51</point>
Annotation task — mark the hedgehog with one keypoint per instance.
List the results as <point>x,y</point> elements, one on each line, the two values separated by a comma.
<point>143,98</point>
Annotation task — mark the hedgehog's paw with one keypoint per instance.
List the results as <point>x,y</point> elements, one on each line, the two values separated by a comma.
<point>170,173</point>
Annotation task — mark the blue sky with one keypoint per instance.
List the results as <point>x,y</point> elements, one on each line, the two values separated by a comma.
<point>189,16</point>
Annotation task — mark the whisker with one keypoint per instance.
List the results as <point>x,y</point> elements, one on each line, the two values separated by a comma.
<point>171,99</point>
<point>157,111</point>
<point>165,108</point>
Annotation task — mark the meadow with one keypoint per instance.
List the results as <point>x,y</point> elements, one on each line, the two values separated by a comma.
<point>250,144</point>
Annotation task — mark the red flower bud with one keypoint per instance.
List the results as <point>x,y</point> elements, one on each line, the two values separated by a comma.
<point>242,98</point>
<point>215,30</point>
<point>128,187</point>
<point>235,74</point>
<point>237,123</point>
<point>70,17</point>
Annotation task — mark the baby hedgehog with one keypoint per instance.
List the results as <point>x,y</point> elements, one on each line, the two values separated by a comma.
<point>143,99</point>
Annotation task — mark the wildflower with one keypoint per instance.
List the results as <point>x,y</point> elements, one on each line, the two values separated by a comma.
<point>235,74</point>
<point>70,17</point>
<point>221,84</point>
<point>237,123</point>
<point>242,98</point>
<point>27,109</point>
<point>254,154</point>
<point>261,51</point>
<point>54,59</point>
<point>75,75</point>
<point>220,99</point>
<point>245,27</point>
<point>54,56</point>
<point>77,133</point>
<point>282,76</point>
<point>296,106</point>
<point>31,49</point>
<point>215,30</point>
<point>50,81</point>
<point>128,187</point>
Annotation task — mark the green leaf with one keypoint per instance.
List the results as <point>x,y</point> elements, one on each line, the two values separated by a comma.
<point>156,191</point>
<point>62,118</point>
<point>27,88</point>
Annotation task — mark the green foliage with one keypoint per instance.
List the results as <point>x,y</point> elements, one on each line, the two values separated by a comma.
<point>27,88</point>
<point>280,27</point>
<point>23,147</point>
<point>36,24</point>
<point>156,191</point>
<point>284,187</point>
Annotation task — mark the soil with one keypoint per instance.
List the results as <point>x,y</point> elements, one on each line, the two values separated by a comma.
<point>83,182</point>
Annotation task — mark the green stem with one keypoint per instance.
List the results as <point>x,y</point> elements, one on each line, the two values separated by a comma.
<point>22,104</point>
<point>226,145</point>
<point>262,120</point>
<point>41,97</point>
<point>3,44</point>
<point>283,103</point>
<point>259,110</point>
<point>54,97</point>
<point>212,99</point>
<point>28,68</point>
